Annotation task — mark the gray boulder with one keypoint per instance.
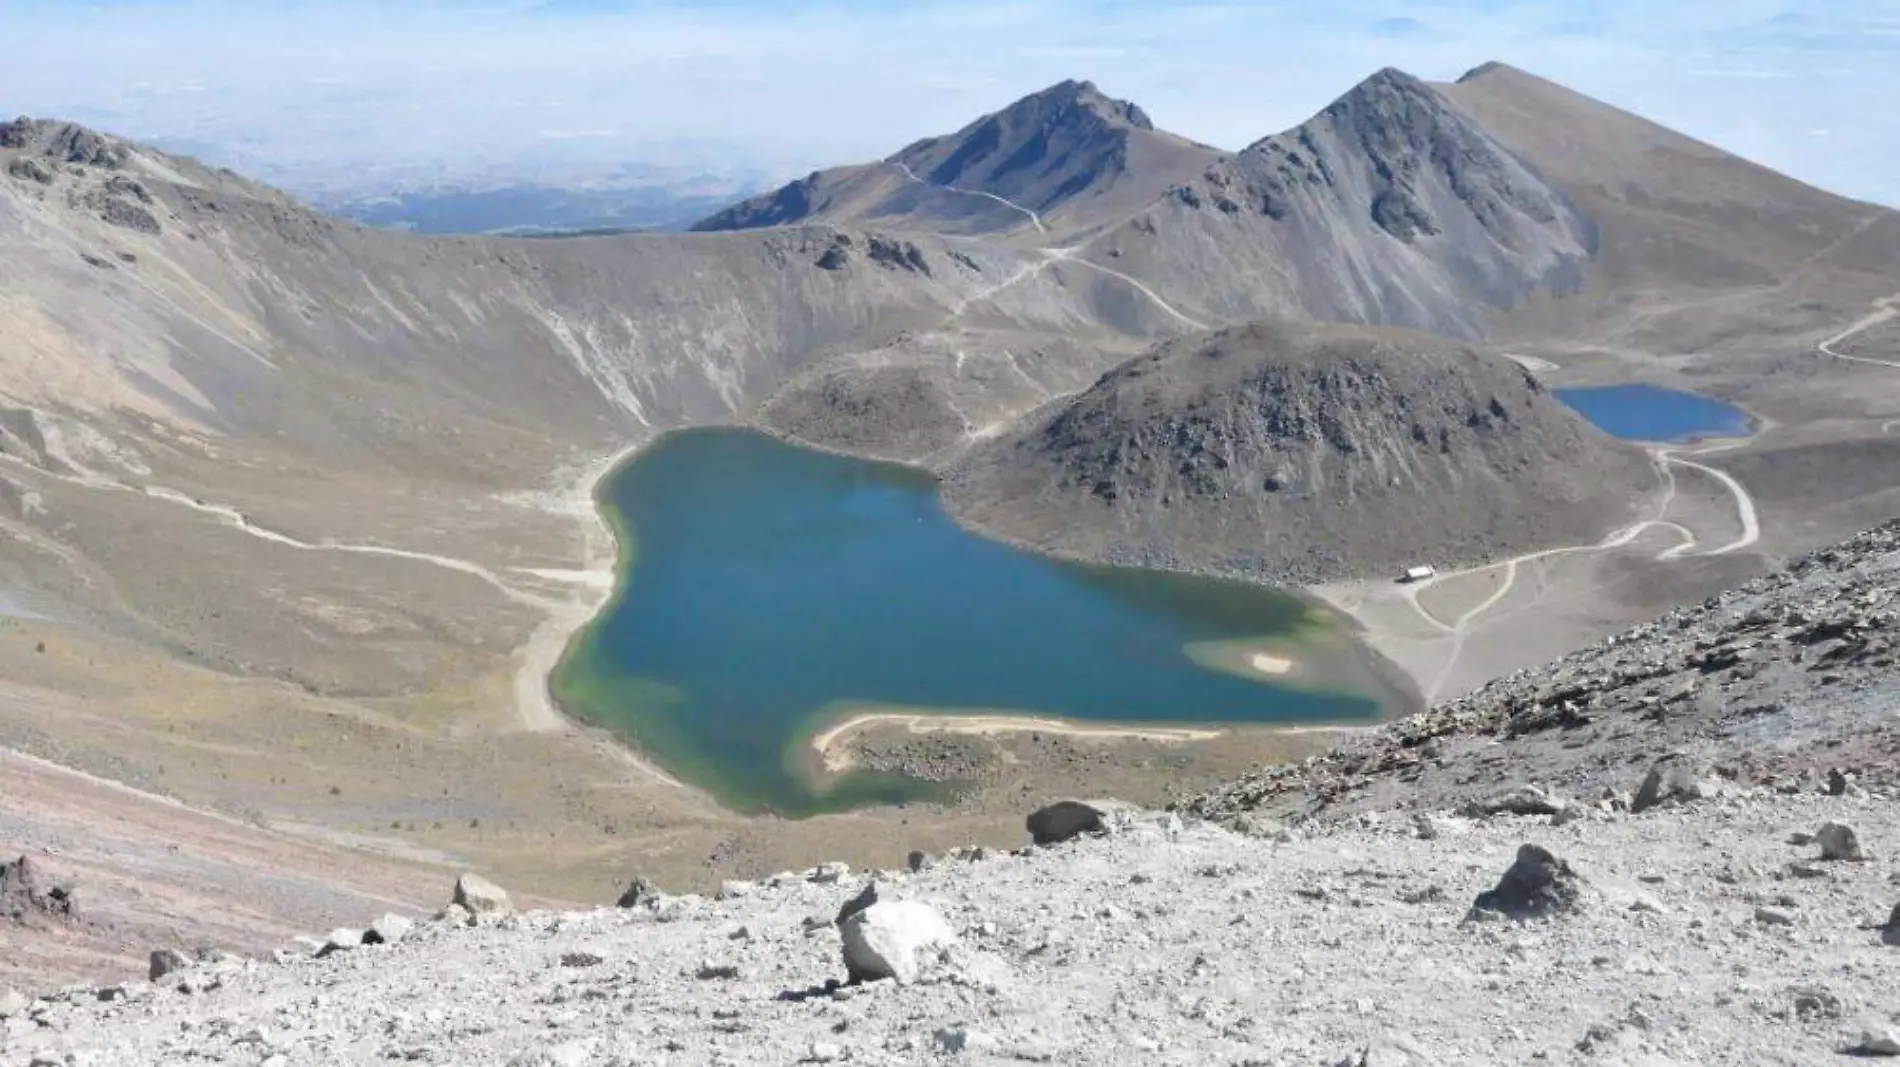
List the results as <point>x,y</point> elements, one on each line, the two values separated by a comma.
<point>164,961</point>
<point>1064,820</point>
<point>481,897</point>
<point>892,939</point>
<point>1538,885</point>
<point>1839,842</point>
<point>387,930</point>
<point>341,939</point>
<point>639,892</point>
<point>1879,1041</point>
<point>27,892</point>
<point>1672,780</point>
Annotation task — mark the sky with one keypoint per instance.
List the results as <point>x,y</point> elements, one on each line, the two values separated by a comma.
<point>358,93</point>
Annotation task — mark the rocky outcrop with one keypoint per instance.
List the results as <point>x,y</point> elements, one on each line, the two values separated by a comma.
<point>1064,820</point>
<point>1301,453</point>
<point>28,892</point>
<point>1785,682</point>
<point>481,898</point>
<point>1538,885</point>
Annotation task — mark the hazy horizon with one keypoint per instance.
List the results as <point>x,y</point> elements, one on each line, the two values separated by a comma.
<point>357,95</point>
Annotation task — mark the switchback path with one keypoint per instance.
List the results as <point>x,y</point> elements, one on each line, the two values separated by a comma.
<point>1460,627</point>
<point>1034,218</point>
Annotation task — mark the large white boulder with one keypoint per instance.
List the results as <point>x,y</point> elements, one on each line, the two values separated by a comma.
<point>892,939</point>
<point>482,898</point>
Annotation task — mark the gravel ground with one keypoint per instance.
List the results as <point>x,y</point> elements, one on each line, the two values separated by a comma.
<point>1775,683</point>
<point>1701,934</point>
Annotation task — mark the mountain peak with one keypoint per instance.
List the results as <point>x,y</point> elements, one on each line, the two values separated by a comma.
<point>1487,69</point>
<point>1083,96</point>
<point>1068,146</point>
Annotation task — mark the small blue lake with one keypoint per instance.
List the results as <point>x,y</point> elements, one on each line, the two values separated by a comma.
<point>1652,413</point>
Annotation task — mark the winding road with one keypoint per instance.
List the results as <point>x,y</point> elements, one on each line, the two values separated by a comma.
<point>1885,309</point>
<point>1066,254</point>
<point>237,520</point>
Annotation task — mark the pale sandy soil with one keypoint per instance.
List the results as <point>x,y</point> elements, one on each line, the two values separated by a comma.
<point>837,756</point>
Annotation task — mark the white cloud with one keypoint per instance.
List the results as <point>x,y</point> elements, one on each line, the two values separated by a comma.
<point>313,93</point>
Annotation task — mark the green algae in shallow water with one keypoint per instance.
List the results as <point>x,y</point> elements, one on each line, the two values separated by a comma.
<point>763,586</point>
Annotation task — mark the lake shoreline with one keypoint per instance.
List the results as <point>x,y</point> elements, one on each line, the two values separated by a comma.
<point>1392,693</point>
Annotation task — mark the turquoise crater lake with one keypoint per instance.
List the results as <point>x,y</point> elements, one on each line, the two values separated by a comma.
<point>767,591</point>
<point>1652,413</point>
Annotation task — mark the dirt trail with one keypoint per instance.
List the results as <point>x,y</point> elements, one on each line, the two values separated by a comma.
<point>1886,309</point>
<point>1460,627</point>
<point>904,168</point>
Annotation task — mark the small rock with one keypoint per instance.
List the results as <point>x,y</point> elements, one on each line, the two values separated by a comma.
<point>13,1003</point>
<point>568,1054</point>
<point>1063,821</point>
<point>1391,1050</point>
<point>1879,1041</point>
<point>581,959</point>
<point>164,961</point>
<point>453,915</point>
<point>1523,800</point>
<point>733,890</point>
<point>716,972</point>
<point>889,939</point>
<point>1807,870</point>
<point>1889,934</point>
<point>920,861</point>
<point>1424,827</point>
<point>1673,780</point>
<point>1839,842</point>
<point>865,898</point>
<point>639,892</point>
<point>341,939</point>
<point>1260,826</point>
<point>388,930</point>
<point>1842,784</point>
<point>1773,917</point>
<point>830,873</point>
<point>824,1052</point>
<point>963,1039</point>
<point>481,897</point>
<point>1643,902</point>
<point>1538,885</point>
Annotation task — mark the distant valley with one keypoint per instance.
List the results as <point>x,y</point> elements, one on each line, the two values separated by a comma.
<point>531,210</point>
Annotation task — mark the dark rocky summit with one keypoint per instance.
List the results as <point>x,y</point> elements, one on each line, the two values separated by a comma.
<point>1302,453</point>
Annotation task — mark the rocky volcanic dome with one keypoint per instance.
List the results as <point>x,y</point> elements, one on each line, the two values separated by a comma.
<point>1305,452</point>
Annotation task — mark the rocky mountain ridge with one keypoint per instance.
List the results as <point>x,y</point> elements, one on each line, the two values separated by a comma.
<point>1066,151</point>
